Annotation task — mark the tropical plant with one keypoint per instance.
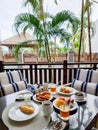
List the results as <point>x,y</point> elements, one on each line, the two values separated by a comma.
<point>86,11</point>
<point>76,37</point>
<point>45,26</point>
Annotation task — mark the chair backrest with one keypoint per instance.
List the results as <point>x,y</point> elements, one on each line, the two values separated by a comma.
<point>11,81</point>
<point>16,76</point>
<point>93,78</point>
<point>5,78</point>
<point>83,75</point>
<point>86,81</point>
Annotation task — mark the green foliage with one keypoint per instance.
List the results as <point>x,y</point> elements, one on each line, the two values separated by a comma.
<point>68,16</point>
<point>63,50</point>
<point>46,27</point>
<point>16,49</point>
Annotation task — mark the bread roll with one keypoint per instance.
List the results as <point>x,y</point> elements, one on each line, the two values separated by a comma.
<point>27,109</point>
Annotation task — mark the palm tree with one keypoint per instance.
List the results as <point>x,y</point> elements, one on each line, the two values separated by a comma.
<point>86,10</point>
<point>45,26</point>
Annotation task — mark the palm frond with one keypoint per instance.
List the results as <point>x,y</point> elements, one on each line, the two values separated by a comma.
<point>86,6</point>
<point>26,21</point>
<point>55,2</point>
<point>95,1</point>
<point>33,3</point>
<point>18,46</point>
<point>64,16</point>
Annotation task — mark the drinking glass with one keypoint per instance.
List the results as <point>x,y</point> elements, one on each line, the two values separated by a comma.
<point>64,112</point>
<point>45,86</point>
<point>27,97</point>
<point>52,88</point>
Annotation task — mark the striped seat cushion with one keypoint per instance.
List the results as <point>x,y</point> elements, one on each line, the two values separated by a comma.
<point>8,89</point>
<point>91,88</point>
<point>78,85</point>
<point>83,74</point>
<point>14,87</point>
<point>21,85</point>
<point>93,76</point>
<point>16,76</point>
<point>5,78</point>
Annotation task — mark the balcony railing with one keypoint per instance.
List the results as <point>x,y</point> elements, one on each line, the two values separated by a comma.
<point>59,72</point>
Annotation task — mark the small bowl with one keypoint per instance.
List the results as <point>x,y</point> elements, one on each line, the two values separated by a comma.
<point>79,96</point>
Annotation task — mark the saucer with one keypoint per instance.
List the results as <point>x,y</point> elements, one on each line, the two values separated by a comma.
<point>82,100</point>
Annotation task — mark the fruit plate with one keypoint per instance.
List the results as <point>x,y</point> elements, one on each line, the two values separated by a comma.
<point>73,108</point>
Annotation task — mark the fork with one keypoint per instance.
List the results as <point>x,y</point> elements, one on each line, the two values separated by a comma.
<point>57,125</point>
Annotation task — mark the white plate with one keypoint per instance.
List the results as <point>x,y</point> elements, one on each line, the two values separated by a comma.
<point>24,94</point>
<point>34,98</point>
<point>75,105</point>
<point>67,94</point>
<point>16,115</point>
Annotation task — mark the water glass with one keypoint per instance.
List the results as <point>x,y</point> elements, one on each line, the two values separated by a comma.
<point>27,97</point>
<point>45,86</point>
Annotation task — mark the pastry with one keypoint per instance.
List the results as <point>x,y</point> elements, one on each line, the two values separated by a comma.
<point>43,96</point>
<point>27,109</point>
<point>65,90</point>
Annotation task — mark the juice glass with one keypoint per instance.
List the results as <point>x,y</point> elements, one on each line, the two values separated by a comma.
<point>64,112</point>
<point>45,86</point>
<point>53,88</point>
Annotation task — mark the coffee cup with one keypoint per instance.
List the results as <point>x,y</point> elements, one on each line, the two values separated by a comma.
<point>79,96</point>
<point>47,108</point>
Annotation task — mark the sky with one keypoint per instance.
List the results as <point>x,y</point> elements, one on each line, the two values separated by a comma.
<point>9,9</point>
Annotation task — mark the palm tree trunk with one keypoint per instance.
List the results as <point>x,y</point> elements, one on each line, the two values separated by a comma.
<point>81,34</point>
<point>89,33</point>
<point>45,33</point>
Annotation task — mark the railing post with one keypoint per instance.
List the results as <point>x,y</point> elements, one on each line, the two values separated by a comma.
<point>1,66</point>
<point>36,73</point>
<point>65,72</point>
<point>94,66</point>
<point>31,75</point>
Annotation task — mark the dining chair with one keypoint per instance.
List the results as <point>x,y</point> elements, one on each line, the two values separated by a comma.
<point>11,81</point>
<point>86,80</point>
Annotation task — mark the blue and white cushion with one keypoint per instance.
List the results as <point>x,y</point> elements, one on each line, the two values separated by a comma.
<point>93,76</point>
<point>5,78</point>
<point>78,85</point>
<point>91,88</point>
<point>21,85</point>
<point>16,76</point>
<point>8,89</point>
<point>12,88</point>
<point>83,75</point>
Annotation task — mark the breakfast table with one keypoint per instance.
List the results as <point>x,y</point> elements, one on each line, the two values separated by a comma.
<point>83,117</point>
